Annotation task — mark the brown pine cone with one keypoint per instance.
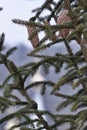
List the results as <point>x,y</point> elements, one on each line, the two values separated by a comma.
<point>33,35</point>
<point>62,19</point>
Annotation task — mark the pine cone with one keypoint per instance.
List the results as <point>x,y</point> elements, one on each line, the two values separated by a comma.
<point>33,36</point>
<point>62,19</point>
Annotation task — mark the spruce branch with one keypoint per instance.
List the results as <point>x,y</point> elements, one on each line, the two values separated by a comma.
<point>2,38</point>
<point>74,65</point>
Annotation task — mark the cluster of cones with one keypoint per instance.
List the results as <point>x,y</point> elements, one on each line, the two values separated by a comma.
<point>62,19</point>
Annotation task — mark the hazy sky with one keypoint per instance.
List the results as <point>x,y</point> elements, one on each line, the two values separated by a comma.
<point>16,9</point>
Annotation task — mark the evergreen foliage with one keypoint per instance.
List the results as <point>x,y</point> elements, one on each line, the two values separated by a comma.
<point>75,66</point>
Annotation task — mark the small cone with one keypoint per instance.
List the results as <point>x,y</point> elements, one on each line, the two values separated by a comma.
<point>33,36</point>
<point>32,32</point>
<point>62,19</point>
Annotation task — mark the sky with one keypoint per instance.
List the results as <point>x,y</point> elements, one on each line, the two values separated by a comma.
<point>20,9</point>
